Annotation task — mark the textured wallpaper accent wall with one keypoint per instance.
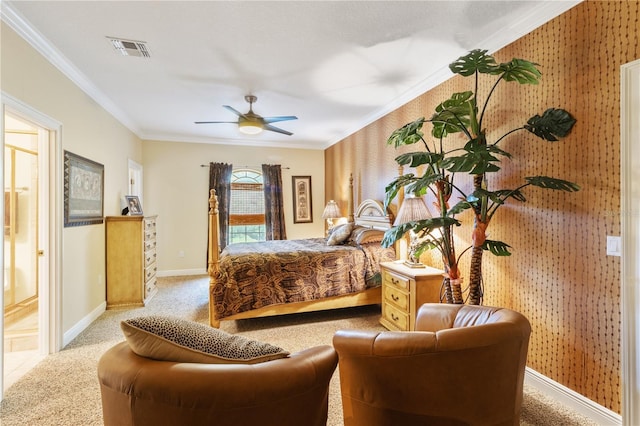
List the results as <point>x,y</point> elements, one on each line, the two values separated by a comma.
<point>559,275</point>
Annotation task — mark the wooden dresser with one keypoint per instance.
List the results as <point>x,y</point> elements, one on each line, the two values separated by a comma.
<point>131,260</point>
<point>404,290</point>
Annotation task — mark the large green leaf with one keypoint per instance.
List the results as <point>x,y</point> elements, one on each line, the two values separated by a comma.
<point>479,159</point>
<point>497,248</point>
<point>392,189</point>
<point>420,227</point>
<point>429,225</point>
<point>552,183</point>
<point>510,193</point>
<point>459,208</point>
<point>408,134</point>
<point>481,194</point>
<point>553,124</point>
<point>420,185</point>
<point>475,61</point>
<point>520,70</point>
<point>394,234</point>
<point>415,159</point>
<point>453,115</point>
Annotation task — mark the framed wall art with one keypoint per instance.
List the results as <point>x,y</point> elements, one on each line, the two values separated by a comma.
<point>302,206</point>
<point>83,191</point>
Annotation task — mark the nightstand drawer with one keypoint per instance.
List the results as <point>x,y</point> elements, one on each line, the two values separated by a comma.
<point>397,317</point>
<point>397,297</point>
<point>404,290</point>
<point>396,281</point>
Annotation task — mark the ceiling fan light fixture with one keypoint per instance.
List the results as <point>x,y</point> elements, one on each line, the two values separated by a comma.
<point>249,127</point>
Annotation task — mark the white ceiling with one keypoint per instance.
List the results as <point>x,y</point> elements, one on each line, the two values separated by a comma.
<point>336,65</point>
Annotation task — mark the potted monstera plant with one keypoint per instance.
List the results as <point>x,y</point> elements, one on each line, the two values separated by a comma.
<point>475,157</point>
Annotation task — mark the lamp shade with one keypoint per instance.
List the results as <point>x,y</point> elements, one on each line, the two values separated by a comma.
<point>331,210</point>
<point>412,209</point>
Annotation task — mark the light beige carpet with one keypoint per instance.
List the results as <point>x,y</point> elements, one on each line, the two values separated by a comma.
<point>63,388</point>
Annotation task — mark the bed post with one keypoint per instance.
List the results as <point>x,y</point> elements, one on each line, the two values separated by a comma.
<point>214,252</point>
<point>350,218</point>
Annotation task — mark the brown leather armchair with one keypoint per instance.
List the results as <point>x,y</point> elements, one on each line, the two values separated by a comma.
<point>289,391</point>
<point>464,365</point>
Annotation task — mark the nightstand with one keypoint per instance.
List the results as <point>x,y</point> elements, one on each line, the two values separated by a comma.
<point>404,290</point>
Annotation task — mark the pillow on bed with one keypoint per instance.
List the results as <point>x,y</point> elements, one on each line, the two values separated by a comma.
<point>175,339</point>
<point>362,235</point>
<point>340,234</point>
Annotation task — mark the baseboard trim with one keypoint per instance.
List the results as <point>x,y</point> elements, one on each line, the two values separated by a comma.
<point>181,272</point>
<point>79,327</point>
<point>579,403</point>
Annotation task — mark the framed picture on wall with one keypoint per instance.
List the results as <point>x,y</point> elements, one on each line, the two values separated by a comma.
<point>302,207</point>
<point>133,204</point>
<point>83,191</point>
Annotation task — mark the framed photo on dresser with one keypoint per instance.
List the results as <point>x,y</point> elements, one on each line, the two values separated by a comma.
<point>133,204</point>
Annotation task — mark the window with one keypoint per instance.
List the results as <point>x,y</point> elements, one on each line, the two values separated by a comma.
<point>246,212</point>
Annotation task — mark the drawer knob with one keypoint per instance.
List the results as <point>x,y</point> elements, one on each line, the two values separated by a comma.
<point>394,317</point>
<point>394,281</point>
<point>395,298</point>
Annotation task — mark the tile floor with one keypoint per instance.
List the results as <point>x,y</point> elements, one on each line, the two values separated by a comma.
<point>21,347</point>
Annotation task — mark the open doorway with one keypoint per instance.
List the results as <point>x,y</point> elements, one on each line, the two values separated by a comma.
<point>22,328</point>
<point>31,239</point>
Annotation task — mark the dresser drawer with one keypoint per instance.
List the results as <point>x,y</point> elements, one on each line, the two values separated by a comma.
<point>149,225</point>
<point>149,244</point>
<point>149,257</point>
<point>150,287</point>
<point>150,235</point>
<point>397,297</point>
<point>397,281</point>
<point>150,272</point>
<point>396,317</point>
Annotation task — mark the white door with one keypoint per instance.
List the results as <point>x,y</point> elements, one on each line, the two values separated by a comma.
<point>135,180</point>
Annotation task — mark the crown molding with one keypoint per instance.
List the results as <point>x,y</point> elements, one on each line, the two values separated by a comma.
<point>42,45</point>
<point>546,11</point>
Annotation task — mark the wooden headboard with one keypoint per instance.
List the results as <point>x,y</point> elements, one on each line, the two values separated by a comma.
<point>371,213</point>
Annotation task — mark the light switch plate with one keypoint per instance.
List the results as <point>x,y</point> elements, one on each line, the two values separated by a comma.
<point>614,246</point>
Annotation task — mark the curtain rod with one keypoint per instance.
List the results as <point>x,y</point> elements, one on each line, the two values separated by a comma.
<point>248,167</point>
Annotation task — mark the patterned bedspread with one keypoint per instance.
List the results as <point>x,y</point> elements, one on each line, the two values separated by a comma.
<point>254,275</point>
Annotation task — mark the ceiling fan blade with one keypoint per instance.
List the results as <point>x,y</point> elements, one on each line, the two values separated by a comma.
<point>235,111</point>
<point>215,122</point>
<point>276,129</point>
<point>279,118</point>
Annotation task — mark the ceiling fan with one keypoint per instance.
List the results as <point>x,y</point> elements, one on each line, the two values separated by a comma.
<point>251,123</point>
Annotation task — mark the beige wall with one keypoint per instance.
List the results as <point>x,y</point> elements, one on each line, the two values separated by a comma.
<point>89,131</point>
<point>176,189</point>
<point>559,275</point>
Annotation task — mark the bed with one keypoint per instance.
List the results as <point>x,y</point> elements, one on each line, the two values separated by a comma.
<point>249,280</point>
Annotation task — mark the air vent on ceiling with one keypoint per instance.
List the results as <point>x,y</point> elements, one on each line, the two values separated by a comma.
<point>130,47</point>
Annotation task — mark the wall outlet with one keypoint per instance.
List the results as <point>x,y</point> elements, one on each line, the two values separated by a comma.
<point>614,246</point>
<point>180,253</point>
